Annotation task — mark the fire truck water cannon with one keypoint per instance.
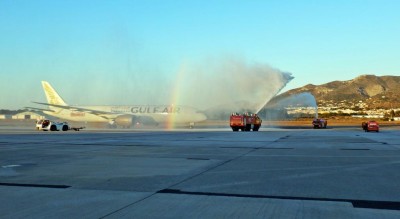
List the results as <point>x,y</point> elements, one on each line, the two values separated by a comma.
<point>245,122</point>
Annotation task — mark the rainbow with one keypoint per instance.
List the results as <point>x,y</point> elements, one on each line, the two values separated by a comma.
<point>175,95</point>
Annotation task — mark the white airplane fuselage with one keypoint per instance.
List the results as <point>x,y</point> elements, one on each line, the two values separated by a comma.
<point>160,113</point>
<point>123,115</point>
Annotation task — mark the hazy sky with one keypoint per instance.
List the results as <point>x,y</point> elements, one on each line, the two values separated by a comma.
<point>109,52</point>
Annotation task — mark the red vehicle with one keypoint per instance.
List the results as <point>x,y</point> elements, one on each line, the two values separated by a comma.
<point>245,122</point>
<point>370,126</point>
<point>319,123</point>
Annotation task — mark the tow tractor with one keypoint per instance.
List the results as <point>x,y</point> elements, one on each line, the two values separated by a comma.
<point>48,125</point>
<point>245,122</point>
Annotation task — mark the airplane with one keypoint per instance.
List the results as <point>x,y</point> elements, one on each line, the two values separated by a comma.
<point>124,116</point>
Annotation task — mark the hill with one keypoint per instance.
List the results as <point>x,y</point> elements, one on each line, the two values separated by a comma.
<point>374,92</point>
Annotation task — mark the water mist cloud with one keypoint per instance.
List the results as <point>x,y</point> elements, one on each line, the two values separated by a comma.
<point>305,99</point>
<point>292,106</point>
<point>215,86</point>
<point>230,85</point>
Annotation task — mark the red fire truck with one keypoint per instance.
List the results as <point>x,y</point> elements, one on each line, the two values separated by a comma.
<point>370,126</point>
<point>245,122</point>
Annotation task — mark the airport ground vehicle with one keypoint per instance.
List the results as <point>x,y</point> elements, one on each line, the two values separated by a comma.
<point>319,123</point>
<point>245,122</point>
<point>370,126</point>
<point>48,125</point>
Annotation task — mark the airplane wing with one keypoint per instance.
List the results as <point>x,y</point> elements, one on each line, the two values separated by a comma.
<point>38,109</point>
<point>79,109</point>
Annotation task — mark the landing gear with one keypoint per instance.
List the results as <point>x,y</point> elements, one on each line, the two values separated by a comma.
<point>111,124</point>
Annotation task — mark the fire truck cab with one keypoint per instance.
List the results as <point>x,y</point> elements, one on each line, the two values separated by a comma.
<point>245,122</point>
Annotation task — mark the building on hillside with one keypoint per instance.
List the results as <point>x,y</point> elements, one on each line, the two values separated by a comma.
<point>369,116</point>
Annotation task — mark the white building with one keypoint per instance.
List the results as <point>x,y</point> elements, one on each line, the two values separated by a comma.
<point>28,115</point>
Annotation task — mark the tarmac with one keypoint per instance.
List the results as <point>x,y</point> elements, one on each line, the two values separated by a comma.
<point>200,173</point>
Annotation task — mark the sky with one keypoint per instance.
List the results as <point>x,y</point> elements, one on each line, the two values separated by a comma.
<point>131,52</point>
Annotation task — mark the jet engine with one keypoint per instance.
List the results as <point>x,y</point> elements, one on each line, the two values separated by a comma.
<point>126,121</point>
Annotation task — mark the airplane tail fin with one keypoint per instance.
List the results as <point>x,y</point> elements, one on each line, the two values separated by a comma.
<point>52,96</point>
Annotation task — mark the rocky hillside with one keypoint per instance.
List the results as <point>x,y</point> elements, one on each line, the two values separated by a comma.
<point>373,91</point>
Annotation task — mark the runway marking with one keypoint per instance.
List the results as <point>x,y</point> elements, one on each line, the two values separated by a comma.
<point>11,166</point>
<point>371,204</point>
<point>35,185</point>
<point>277,148</point>
<point>194,158</point>
<point>239,147</point>
<point>355,149</point>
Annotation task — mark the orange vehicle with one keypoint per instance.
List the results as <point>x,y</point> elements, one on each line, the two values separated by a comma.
<point>245,122</point>
<point>319,123</point>
<point>370,126</point>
